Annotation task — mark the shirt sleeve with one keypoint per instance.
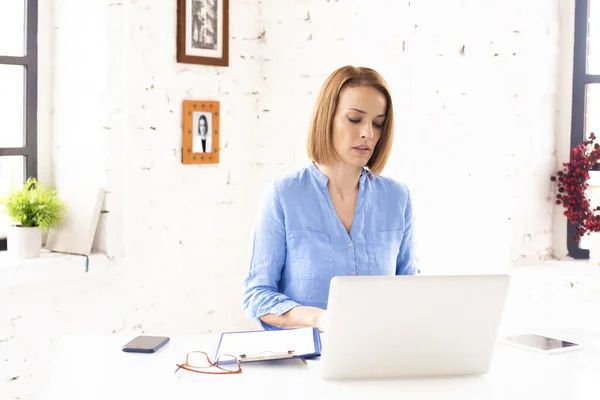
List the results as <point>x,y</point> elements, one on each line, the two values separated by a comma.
<point>267,258</point>
<point>406,262</point>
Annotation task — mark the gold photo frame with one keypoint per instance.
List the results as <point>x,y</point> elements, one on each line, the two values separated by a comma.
<point>200,133</point>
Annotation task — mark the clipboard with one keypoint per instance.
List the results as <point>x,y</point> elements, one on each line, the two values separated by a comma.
<point>267,345</point>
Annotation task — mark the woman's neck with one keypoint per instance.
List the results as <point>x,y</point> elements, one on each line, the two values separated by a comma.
<point>342,179</point>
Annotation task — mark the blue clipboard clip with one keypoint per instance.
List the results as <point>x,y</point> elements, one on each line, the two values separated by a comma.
<point>268,355</point>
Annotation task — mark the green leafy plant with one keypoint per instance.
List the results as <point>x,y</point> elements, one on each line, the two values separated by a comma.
<point>33,205</point>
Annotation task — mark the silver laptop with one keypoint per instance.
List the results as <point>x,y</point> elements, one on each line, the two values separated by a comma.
<point>412,326</point>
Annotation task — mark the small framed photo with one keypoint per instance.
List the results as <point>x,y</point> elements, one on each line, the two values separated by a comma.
<point>203,32</point>
<point>200,140</point>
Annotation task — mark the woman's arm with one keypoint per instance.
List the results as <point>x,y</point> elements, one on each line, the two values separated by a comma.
<point>297,317</point>
<point>406,262</point>
<point>262,301</point>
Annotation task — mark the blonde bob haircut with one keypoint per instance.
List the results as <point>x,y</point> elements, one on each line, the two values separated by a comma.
<point>320,133</point>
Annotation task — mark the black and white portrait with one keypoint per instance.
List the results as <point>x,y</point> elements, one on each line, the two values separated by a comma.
<point>203,32</point>
<point>202,129</point>
<point>204,24</point>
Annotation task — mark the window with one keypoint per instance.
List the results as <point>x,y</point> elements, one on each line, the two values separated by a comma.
<point>18,97</point>
<point>586,88</point>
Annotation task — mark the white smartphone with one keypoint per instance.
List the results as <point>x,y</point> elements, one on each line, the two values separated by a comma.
<point>541,344</point>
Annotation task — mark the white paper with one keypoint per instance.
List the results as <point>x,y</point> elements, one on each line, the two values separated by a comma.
<point>266,343</point>
<point>75,234</point>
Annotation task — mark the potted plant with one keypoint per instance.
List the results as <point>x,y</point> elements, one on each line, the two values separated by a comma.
<point>33,209</point>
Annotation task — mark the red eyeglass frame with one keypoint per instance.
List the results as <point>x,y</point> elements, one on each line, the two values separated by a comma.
<point>203,370</point>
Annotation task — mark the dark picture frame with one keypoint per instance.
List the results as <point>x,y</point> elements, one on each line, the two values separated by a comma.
<point>203,32</point>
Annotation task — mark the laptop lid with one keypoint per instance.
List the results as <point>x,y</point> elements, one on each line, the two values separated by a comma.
<point>412,326</point>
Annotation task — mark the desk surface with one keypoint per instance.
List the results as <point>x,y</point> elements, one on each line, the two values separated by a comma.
<point>96,368</point>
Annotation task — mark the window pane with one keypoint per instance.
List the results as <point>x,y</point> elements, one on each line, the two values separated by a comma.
<point>592,110</point>
<point>11,175</point>
<point>12,105</point>
<point>12,27</point>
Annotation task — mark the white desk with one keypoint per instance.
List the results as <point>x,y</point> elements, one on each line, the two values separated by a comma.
<point>96,368</point>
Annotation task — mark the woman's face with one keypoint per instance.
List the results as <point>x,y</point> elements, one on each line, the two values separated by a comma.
<point>358,124</point>
<point>203,127</point>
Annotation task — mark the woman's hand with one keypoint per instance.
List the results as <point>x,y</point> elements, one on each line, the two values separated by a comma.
<point>320,319</point>
<point>315,316</point>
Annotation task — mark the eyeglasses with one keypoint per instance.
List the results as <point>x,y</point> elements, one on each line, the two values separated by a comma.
<point>199,361</point>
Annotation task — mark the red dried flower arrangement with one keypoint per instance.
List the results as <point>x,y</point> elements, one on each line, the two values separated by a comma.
<point>572,185</point>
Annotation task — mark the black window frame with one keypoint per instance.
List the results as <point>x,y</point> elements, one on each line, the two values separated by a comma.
<point>30,62</point>
<point>581,79</point>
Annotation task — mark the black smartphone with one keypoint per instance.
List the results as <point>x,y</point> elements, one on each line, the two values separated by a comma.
<point>146,344</point>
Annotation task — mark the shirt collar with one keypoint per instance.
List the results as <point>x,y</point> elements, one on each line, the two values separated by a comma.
<point>322,179</point>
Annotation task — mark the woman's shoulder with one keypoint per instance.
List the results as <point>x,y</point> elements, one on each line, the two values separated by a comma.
<point>291,183</point>
<point>298,178</point>
<point>391,185</point>
<point>391,195</point>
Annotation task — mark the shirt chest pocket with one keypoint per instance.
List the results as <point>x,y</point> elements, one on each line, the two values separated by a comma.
<point>309,255</point>
<point>383,248</point>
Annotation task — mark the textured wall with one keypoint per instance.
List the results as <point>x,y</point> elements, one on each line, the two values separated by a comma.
<point>469,82</point>
<point>474,92</point>
<point>474,89</point>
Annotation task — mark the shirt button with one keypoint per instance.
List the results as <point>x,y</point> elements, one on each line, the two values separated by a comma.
<point>349,244</point>
<point>352,272</point>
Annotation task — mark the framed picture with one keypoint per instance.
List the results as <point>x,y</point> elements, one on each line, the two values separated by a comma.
<point>200,141</point>
<point>203,32</point>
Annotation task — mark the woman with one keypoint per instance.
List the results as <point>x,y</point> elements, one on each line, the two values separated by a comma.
<point>203,131</point>
<point>334,217</point>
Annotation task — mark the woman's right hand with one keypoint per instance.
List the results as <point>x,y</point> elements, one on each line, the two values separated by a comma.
<point>320,319</point>
<point>314,316</point>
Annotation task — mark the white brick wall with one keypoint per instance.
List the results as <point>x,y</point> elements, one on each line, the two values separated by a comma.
<point>475,137</point>
<point>467,125</point>
<point>475,142</point>
<point>474,89</point>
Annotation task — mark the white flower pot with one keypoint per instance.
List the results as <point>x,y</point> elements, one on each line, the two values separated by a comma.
<point>24,242</point>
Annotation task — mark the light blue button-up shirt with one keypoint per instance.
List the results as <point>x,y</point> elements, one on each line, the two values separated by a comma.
<point>300,243</point>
